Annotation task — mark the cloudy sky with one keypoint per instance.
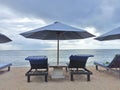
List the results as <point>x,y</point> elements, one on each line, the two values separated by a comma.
<point>94,16</point>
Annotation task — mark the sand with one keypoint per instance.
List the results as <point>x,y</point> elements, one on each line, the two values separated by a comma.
<point>100,80</point>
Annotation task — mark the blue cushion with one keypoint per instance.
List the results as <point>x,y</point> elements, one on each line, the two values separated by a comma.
<point>38,62</point>
<point>78,61</point>
<point>80,55</point>
<point>5,65</point>
<point>101,64</point>
<point>36,58</point>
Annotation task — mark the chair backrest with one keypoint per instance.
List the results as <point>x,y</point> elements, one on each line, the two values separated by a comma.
<point>115,62</point>
<point>39,64</point>
<point>77,61</point>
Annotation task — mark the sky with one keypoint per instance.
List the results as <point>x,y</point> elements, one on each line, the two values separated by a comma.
<point>94,16</point>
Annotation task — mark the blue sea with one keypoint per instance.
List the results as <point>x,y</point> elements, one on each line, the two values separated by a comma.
<point>17,57</point>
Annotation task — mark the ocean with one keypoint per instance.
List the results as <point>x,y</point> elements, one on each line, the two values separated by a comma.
<point>17,57</point>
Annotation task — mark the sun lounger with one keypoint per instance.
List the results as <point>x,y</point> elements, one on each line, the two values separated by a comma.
<point>5,66</point>
<point>39,66</point>
<point>77,65</point>
<point>115,63</point>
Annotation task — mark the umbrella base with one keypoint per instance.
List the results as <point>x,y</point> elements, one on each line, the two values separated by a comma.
<point>57,73</point>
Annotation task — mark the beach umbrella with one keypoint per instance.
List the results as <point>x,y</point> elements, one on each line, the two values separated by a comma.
<point>4,39</point>
<point>57,31</point>
<point>114,34</point>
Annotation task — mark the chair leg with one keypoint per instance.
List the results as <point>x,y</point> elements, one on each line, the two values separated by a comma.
<point>46,78</point>
<point>72,77</point>
<point>96,67</point>
<point>9,68</point>
<point>28,78</point>
<point>88,77</point>
<point>66,68</point>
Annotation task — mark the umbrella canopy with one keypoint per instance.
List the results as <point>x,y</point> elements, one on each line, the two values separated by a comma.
<point>114,34</point>
<point>57,31</point>
<point>4,39</point>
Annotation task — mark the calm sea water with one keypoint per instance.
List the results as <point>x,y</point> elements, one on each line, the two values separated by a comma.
<point>17,57</point>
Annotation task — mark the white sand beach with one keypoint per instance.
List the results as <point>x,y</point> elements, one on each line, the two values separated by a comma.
<point>16,80</point>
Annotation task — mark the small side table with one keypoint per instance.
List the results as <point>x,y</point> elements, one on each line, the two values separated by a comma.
<point>58,70</point>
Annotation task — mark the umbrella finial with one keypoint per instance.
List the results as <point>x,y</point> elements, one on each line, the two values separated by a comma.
<point>56,22</point>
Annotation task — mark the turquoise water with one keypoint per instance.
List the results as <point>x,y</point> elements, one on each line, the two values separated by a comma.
<point>17,57</point>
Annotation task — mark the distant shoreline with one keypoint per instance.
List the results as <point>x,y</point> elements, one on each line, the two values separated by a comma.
<point>60,49</point>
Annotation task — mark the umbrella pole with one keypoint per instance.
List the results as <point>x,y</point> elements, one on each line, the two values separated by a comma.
<point>58,34</point>
<point>58,52</point>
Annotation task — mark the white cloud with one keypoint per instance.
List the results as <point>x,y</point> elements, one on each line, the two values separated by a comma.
<point>14,21</point>
<point>108,8</point>
<point>12,24</point>
<point>9,47</point>
<point>92,30</point>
